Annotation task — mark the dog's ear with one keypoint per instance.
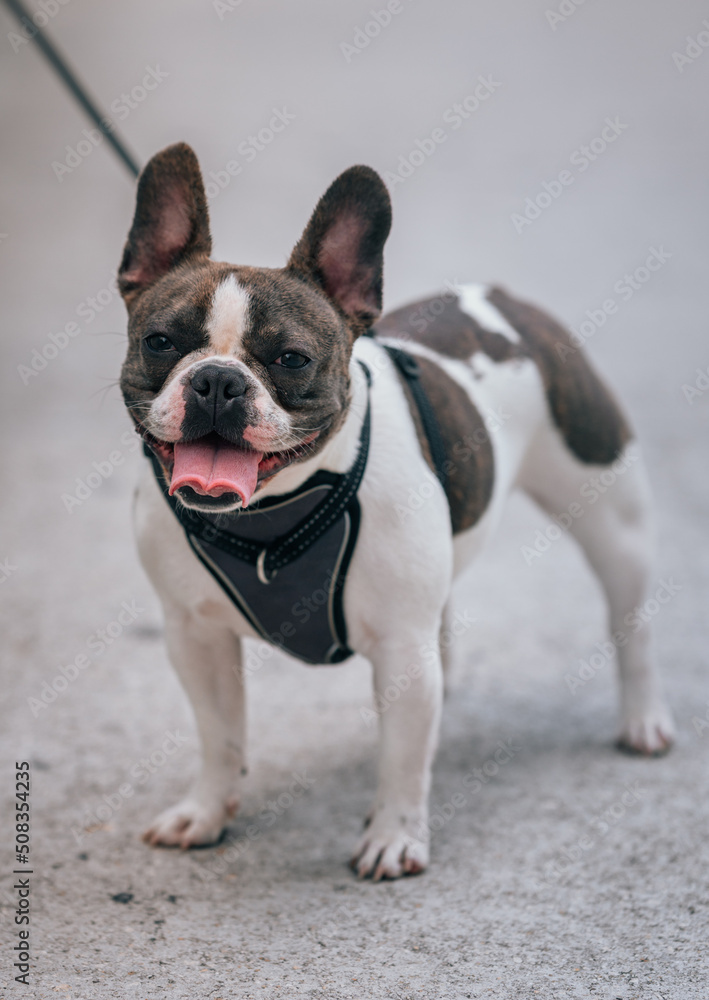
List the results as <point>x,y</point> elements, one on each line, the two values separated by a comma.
<point>342,247</point>
<point>171,221</point>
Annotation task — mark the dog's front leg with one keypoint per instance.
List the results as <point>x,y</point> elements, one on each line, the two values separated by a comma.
<point>408,684</point>
<point>207,659</point>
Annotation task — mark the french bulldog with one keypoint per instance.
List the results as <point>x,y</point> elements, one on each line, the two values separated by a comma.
<point>266,394</point>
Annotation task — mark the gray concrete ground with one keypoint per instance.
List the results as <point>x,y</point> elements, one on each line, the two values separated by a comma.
<point>550,880</point>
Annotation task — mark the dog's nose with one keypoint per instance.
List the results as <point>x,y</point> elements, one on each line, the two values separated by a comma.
<point>216,385</point>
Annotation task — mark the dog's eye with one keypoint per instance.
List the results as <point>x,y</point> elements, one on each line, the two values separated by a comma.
<point>158,343</point>
<point>292,360</point>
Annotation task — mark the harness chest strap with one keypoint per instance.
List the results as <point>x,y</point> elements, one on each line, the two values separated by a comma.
<point>292,544</point>
<point>243,565</point>
<point>268,559</point>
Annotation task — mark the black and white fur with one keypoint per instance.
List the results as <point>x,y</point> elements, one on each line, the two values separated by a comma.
<point>401,572</point>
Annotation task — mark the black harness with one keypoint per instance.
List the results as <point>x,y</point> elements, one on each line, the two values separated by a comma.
<point>294,602</point>
<point>411,370</point>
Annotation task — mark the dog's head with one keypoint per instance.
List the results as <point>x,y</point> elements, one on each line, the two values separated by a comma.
<point>234,373</point>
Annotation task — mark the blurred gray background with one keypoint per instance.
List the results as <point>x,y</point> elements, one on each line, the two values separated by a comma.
<point>511,906</point>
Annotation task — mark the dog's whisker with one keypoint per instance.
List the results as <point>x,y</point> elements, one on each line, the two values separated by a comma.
<point>103,391</point>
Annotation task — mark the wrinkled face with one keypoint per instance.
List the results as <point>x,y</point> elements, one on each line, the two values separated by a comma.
<point>234,373</point>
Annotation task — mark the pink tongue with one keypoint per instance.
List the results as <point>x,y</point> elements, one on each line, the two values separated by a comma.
<point>213,467</point>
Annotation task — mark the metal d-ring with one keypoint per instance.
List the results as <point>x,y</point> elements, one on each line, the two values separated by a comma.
<point>261,568</point>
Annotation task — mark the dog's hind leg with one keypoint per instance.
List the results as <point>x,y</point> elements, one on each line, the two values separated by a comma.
<point>607,510</point>
<point>207,659</point>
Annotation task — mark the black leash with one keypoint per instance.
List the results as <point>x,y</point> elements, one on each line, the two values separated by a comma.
<point>101,120</point>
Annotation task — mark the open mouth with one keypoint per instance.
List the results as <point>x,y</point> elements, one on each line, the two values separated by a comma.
<point>213,467</point>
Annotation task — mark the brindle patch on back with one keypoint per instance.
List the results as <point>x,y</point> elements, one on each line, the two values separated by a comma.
<point>469,457</point>
<point>440,324</point>
<point>583,409</point>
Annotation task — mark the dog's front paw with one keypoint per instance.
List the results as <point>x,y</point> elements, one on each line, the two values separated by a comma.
<point>650,732</point>
<point>391,847</point>
<point>190,823</point>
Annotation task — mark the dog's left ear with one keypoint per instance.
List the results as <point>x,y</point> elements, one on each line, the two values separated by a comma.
<point>171,221</point>
<point>342,248</point>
